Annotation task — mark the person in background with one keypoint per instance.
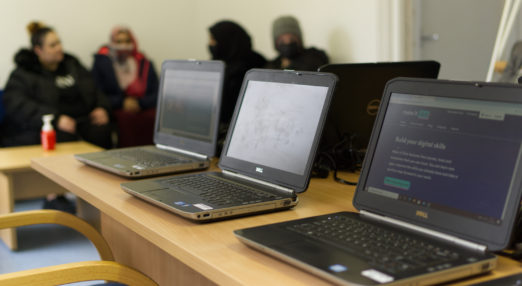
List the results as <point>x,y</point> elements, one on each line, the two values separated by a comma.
<point>130,81</point>
<point>288,41</point>
<point>48,81</point>
<point>512,73</point>
<point>230,43</point>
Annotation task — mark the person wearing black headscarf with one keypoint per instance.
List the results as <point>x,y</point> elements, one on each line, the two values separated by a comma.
<point>230,43</point>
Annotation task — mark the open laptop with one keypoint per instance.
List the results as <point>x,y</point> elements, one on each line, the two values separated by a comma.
<point>268,153</point>
<point>186,126</point>
<point>439,191</point>
<point>357,97</point>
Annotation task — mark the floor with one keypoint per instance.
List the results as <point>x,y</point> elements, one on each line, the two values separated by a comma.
<point>45,245</point>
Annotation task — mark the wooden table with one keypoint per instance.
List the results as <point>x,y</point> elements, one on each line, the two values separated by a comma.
<point>175,251</point>
<point>19,181</point>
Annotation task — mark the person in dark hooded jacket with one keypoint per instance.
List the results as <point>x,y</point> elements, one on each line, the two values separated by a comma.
<point>230,43</point>
<point>48,81</point>
<point>288,41</point>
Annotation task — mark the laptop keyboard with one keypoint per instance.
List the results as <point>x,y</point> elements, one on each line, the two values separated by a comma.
<point>382,248</point>
<point>221,192</point>
<point>150,159</point>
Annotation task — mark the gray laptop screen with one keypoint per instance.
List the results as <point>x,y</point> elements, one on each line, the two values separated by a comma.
<point>277,124</point>
<point>459,156</point>
<point>188,102</point>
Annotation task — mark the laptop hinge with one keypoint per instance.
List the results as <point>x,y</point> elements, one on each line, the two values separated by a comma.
<point>197,155</point>
<point>277,187</point>
<point>450,238</point>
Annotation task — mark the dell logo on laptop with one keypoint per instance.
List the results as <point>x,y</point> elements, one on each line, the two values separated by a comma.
<point>259,170</point>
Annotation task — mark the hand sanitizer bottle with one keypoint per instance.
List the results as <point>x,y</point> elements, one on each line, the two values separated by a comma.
<point>48,135</point>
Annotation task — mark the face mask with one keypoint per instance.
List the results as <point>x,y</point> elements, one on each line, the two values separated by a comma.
<point>288,51</point>
<point>122,51</point>
<point>214,51</point>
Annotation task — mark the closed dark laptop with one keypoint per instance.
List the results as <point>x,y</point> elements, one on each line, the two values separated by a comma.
<point>186,126</point>
<point>439,191</point>
<point>268,153</point>
<point>358,95</point>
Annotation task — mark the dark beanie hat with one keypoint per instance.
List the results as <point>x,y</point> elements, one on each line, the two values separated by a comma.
<point>284,25</point>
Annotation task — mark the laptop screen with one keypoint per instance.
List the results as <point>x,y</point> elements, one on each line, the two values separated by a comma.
<point>446,156</point>
<point>358,94</point>
<point>276,127</point>
<point>188,103</point>
<point>436,148</point>
<point>277,124</point>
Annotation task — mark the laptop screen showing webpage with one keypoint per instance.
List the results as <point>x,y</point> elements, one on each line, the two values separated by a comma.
<point>188,104</point>
<point>451,156</point>
<point>277,125</point>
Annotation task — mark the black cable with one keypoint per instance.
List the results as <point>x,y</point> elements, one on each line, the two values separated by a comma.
<point>337,179</point>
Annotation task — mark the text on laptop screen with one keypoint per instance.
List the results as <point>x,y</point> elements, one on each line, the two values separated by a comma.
<point>277,124</point>
<point>431,149</point>
<point>187,104</point>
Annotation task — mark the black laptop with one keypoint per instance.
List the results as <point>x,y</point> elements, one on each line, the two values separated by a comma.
<point>439,191</point>
<point>268,152</point>
<point>186,126</point>
<point>356,102</point>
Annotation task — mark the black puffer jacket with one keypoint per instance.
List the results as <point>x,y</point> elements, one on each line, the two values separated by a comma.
<point>32,91</point>
<point>307,60</point>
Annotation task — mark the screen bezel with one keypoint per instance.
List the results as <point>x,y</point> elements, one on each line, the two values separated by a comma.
<point>298,183</point>
<point>205,147</point>
<point>495,237</point>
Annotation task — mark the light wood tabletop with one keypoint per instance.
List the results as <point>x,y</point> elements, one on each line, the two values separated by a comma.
<point>19,181</point>
<point>175,251</point>
<point>15,158</point>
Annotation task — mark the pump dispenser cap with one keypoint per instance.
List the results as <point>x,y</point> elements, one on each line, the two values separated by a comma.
<point>47,118</point>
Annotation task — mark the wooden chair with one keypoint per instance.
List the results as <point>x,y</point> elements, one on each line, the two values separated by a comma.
<point>106,269</point>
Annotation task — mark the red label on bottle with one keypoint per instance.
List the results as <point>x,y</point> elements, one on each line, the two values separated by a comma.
<point>48,139</point>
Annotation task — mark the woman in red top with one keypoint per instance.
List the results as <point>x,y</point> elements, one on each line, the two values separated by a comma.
<point>130,82</point>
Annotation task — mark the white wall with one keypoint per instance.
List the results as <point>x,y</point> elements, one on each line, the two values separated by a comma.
<point>349,30</point>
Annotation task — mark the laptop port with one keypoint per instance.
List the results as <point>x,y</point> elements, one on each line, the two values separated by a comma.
<point>206,215</point>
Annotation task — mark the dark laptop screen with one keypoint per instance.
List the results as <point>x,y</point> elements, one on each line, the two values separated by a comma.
<point>358,94</point>
<point>277,124</point>
<point>454,155</point>
<point>188,102</point>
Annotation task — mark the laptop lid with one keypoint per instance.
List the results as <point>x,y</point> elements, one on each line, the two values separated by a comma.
<point>277,125</point>
<point>445,156</point>
<point>358,94</point>
<point>188,107</point>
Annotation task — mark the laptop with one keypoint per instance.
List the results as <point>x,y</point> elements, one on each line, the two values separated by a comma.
<point>267,156</point>
<point>438,192</point>
<point>357,97</point>
<point>185,129</point>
